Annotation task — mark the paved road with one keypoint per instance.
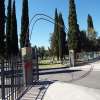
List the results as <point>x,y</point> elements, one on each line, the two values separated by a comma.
<point>92,80</point>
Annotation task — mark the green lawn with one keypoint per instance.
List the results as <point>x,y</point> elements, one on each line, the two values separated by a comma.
<point>50,64</point>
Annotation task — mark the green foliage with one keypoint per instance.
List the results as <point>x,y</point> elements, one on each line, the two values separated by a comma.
<point>8,29</point>
<point>24,36</point>
<point>90,22</point>
<point>72,41</point>
<point>11,30</point>
<point>55,37</point>
<point>62,37</point>
<point>2,27</point>
<point>14,36</point>
<point>84,42</point>
<point>41,52</point>
<point>73,33</point>
<point>87,44</point>
<point>91,31</point>
<point>58,38</point>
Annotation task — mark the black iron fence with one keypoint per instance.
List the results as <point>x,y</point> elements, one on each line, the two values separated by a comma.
<point>11,78</point>
<point>35,70</point>
<point>35,65</point>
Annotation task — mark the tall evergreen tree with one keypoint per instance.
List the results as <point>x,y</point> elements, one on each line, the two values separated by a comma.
<point>55,37</point>
<point>91,31</point>
<point>2,27</point>
<point>62,37</point>
<point>14,36</point>
<point>73,33</point>
<point>90,22</point>
<point>8,29</point>
<point>24,37</point>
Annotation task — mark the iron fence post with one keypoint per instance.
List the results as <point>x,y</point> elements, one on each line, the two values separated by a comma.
<point>2,80</point>
<point>12,80</point>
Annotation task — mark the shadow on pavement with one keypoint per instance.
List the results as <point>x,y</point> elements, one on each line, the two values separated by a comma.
<point>43,69</point>
<point>43,82</point>
<point>56,71</point>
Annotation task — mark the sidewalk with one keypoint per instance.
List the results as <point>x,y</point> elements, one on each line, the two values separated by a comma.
<point>65,91</point>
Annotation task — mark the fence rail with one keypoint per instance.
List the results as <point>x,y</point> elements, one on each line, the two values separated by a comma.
<point>11,78</point>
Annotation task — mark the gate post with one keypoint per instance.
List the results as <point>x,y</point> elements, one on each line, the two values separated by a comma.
<point>27,65</point>
<point>71,58</point>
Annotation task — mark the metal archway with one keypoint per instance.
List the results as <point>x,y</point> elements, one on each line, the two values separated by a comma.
<point>42,17</point>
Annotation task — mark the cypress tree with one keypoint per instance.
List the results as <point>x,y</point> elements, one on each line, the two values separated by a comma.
<point>55,37</point>
<point>24,37</point>
<point>2,27</point>
<point>90,22</point>
<point>90,30</point>
<point>62,37</point>
<point>8,29</point>
<point>73,33</point>
<point>14,36</point>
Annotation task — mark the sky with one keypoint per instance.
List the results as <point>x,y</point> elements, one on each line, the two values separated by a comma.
<point>42,29</point>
